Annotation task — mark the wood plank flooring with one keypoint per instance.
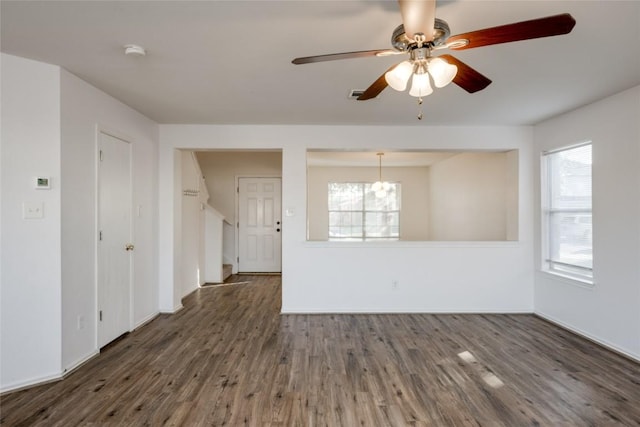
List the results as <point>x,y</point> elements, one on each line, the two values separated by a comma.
<point>229,358</point>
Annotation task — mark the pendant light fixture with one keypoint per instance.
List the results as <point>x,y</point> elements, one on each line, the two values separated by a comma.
<point>380,187</point>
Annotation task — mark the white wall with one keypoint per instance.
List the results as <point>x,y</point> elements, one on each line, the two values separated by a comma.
<point>609,311</point>
<point>85,111</point>
<point>50,121</point>
<point>335,276</point>
<point>414,215</point>
<point>30,280</point>
<point>469,197</point>
<point>192,229</point>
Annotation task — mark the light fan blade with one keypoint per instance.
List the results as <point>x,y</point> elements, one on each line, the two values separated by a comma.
<point>418,16</point>
<point>376,87</point>
<point>345,55</point>
<point>467,78</point>
<point>536,28</point>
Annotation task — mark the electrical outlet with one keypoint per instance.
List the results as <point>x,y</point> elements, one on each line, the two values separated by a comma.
<point>80,322</point>
<point>395,284</point>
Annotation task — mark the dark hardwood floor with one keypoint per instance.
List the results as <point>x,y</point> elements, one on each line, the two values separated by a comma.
<point>230,358</point>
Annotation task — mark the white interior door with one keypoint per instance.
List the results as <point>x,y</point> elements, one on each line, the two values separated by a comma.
<point>114,238</point>
<point>259,225</point>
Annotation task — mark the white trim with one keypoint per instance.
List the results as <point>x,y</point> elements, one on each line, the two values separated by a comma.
<point>597,340</point>
<point>21,385</point>
<point>235,266</point>
<point>146,320</point>
<point>132,233</point>
<point>580,281</point>
<point>399,244</point>
<point>101,129</point>
<point>566,147</point>
<point>96,231</point>
<point>75,365</point>
<point>403,311</point>
<point>173,310</point>
<point>546,264</point>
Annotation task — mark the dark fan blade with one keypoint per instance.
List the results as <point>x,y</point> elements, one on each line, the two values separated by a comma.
<point>344,55</point>
<point>376,87</point>
<point>536,28</point>
<point>467,78</point>
<point>418,16</point>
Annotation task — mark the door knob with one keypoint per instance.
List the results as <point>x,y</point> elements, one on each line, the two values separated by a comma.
<point>278,230</point>
<point>129,247</point>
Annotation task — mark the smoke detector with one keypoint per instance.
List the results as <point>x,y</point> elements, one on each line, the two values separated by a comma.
<point>134,50</point>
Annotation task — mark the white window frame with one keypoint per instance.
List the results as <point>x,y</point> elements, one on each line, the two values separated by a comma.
<point>581,274</point>
<point>364,211</point>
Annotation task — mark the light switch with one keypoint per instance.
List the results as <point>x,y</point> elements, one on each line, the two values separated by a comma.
<point>289,212</point>
<point>32,210</point>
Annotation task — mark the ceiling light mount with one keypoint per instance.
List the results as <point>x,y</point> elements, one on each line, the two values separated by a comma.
<point>400,41</point>
<point>134,50</point>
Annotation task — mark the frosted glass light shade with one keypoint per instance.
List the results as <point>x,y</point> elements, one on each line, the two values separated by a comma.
<point>442,72</point>
<point>380,188</point>
<point>399,76</point>
<point>420,85</point>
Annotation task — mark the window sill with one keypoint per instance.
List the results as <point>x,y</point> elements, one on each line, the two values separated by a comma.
<point>411,244</point>
<point>581,282</point>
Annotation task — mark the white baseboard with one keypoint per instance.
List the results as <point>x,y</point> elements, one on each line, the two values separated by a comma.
<point>146,320</point>
<point>21,385</point>
<point>171,310</point>
<point>401,311</point>
<point>75,365</point>
<point>590,337</point>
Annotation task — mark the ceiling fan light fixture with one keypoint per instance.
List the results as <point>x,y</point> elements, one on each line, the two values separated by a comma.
<point>420,85</point>
<point>442,72</point>
<point>399,76</point>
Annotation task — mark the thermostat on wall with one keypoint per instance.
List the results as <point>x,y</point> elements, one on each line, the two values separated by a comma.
<point>42,183</point>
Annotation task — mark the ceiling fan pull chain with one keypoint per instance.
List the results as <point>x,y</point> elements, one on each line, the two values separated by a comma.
<point>420,106</point>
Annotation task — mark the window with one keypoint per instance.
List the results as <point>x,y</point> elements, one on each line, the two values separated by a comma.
<point>355,213</point>
<point>567,212</point>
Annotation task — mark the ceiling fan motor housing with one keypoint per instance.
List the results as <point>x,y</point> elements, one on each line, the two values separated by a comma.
<point>400,41</point>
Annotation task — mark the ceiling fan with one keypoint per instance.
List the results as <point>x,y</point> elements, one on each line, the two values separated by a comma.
<point>421,34</point>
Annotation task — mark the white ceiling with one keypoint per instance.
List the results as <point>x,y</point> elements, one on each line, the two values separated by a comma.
<point>370,159</point>
<point>229,62</point>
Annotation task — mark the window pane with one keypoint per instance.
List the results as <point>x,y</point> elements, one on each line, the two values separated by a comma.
<point>345,196</point>
<point>570,239</point>
<point>382,224</point>
<point>356,213</point>
<point>570,176</point>
<point>390,202</point>
<point>568,214</point>
<point>345,224</point>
